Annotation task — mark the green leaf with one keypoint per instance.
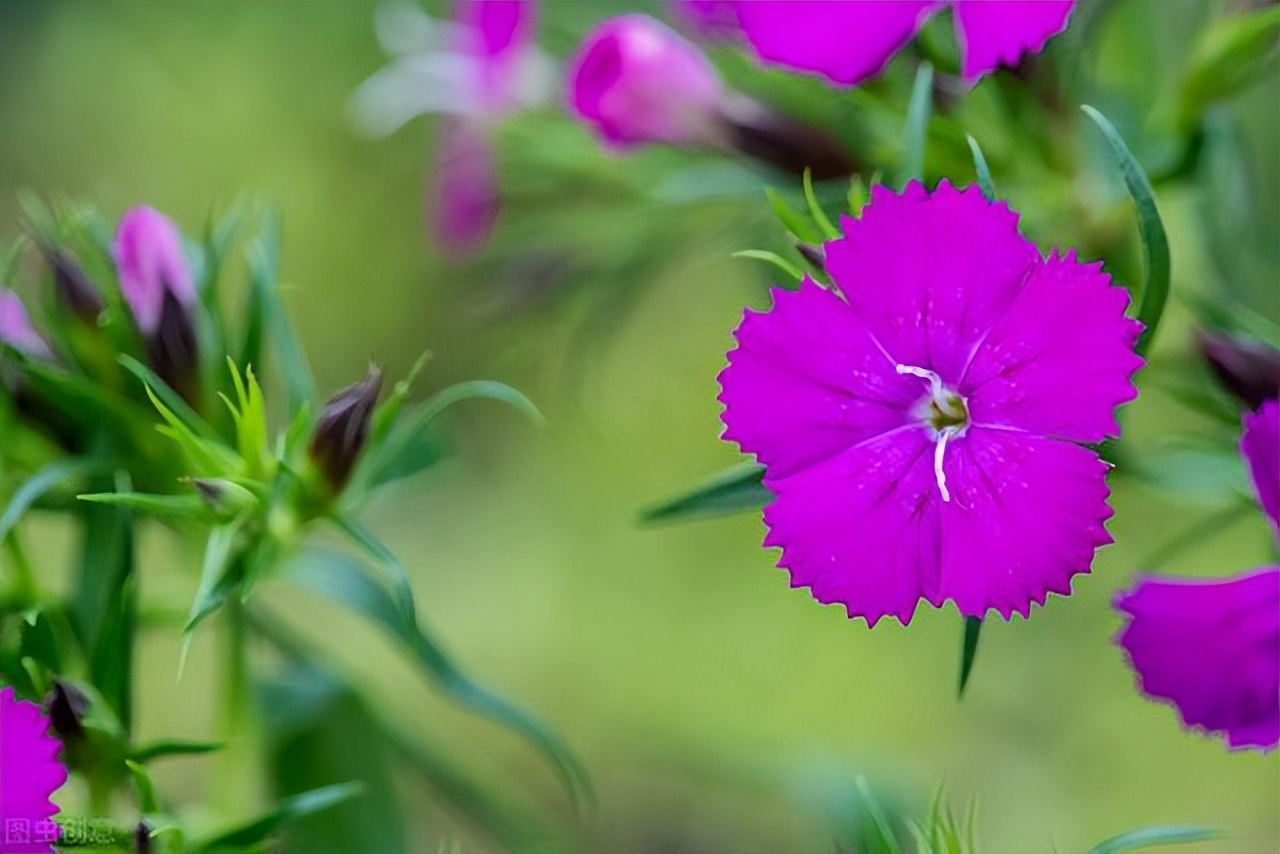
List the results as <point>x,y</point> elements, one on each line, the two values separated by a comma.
<point>735,490</point>
<point>799,226</point>
<point>253,835</point>
<point>320,713</point>
<point>816,212</point>
<point>217,577</point>
<point>1232,52</point>
<point>343,580</point>
<point>147,801</point>
<point>264,258</point>
<point>982,170</point>
<point>1155,244</point>
<point>773,258</point>
<point>170,747</point>
<point>968,651</point>
<point>916,132</point>
<point>167,401</point>
<point>395,459</point>
<point>103,604</point>
<point>178,507</point>
<point>1167,834</point>
<point>51,476</point>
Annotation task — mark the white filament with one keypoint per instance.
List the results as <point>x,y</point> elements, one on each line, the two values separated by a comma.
<point>938,450</point>
<point>936,391</point>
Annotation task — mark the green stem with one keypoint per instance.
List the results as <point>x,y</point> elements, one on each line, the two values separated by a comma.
<point>238,781</point>
<point>25,590</point>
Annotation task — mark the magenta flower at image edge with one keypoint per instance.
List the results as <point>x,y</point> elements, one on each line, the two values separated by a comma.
<point>151,266</point>
<point>920,424</point>
<point>850,42</point>
<point>16,329</point>
<point>1212,647</point>
<point>638,81</point>
<point>30,773</point>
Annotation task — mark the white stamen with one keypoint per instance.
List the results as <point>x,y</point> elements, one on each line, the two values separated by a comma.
<point>935,381</point>
<point>938,450</point>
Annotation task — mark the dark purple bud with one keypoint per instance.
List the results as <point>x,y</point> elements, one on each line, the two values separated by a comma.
<point>66,707</point>
<point>74,290</point>
<point>782,142</point>
<point>814,256</point>
<point>1246,367</point>
<point>343,429</point>
<point>142,838</point>
<point>172,349</point>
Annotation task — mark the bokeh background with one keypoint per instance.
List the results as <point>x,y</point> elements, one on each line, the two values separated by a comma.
<point>716,709</point>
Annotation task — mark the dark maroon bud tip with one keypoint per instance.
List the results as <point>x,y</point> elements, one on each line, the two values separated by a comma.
<point>73,289</point>
<point>66,706</point>
<point>1246,367</point>
<point>343,429</point>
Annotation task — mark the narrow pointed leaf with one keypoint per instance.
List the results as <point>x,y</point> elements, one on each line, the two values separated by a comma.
<point>916,132</point>
<point>981,169</point>
<point>343,580</point>
<point>733,491</point>
<point>254,834</point>
<point>819,216</point>
<point>50,477</point>
<point>1155,243</point>
<point>800,227</point>
<point>1136,840</point>
<point>177,507</point>
<point>167,400</point>
<point>776,260</point>
<point>161,749</point>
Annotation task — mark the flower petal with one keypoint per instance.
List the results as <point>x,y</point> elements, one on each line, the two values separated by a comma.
<point>999,32</point>
<point>16,329</point>
<point>1026,514</point>
<point>29,771</point>
<point>1260,446</point>
<point>1060,361</point>
<point>464,200</point>
<point>930,274</point>
<point>1212,648</point>
<point>861,528</point>
<point>807,381</point>
<point>844,42</point>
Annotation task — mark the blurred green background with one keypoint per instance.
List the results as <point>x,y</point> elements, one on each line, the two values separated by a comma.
<point>716,709</point>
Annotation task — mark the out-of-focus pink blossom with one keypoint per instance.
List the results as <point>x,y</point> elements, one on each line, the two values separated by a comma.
<point>150,263</point>
<point>16,329</point>
<point>638,81</point>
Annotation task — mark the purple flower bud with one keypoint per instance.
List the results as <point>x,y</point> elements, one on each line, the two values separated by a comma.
<point>16,329</point>
<point>638,81</point>
<point>1247,368</point>
<point>343,429</point>
<point>150,263</point>
<point>74,290</point>
<point>66,705</point>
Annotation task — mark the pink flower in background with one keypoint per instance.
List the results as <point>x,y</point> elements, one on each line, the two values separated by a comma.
<point>848,42</point>
<point>1212,648</point>
<point>475,70</point>
<point>921,426</point>
<point>16,329</point>
<point>29,775</point>
<point>150,264</point>
<point>638,81</point>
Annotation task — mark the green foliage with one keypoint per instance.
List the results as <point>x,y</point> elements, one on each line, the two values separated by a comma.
<point>1149,837</point>
<point>733,491</point>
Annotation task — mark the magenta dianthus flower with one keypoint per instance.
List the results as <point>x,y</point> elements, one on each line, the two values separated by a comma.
<point>150,263</point>
<point>29,775</point>
<point>638,81</point>
<point>1212,648</point>
<point>847,41</point>
<point>16,329</point>
<point>475,70</point>
<point>920,425</point>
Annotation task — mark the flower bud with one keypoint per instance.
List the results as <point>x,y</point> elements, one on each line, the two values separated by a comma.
<point>66,707</point>
<point>638,81</point>
<point>1248,368</point>
<point>172,350</point>
<point>788,145</point>
<point>73,289</point>
<point>343,429</point>
<point>223,497</point>
<point>16,330</point>
<point>151,265</point>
